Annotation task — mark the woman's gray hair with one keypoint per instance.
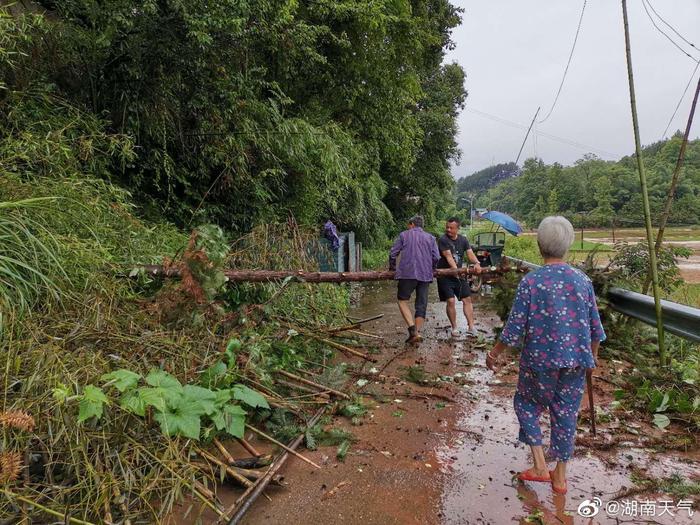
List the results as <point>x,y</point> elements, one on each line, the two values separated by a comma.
<point>555,235</point>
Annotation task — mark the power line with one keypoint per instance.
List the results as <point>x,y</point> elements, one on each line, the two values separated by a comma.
<point>644,4</point>
<point>670,26</point>
<point>697,64</point>
<point>568,63</point>
<point>556,138</point>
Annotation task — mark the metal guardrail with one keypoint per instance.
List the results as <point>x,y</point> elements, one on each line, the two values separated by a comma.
<point>678,319</point>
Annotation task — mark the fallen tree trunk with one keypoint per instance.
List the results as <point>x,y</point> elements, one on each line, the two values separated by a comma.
<point>266,276</point>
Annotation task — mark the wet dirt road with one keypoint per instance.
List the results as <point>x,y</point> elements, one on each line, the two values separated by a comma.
<point>446,454</point>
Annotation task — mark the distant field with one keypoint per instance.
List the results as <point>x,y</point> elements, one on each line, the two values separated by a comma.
<point>674,233</point>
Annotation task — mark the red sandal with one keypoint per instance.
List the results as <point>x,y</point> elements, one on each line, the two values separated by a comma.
<point>558,490</point>
<point>526,475</point>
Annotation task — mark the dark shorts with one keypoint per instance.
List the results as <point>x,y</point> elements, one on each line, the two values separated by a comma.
<point>406,287</point>
<point>448,288</point>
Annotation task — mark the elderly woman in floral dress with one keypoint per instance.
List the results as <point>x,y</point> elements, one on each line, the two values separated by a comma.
<point>555,320</point>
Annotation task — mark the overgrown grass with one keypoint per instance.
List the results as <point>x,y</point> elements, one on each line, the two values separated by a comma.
<point>100,321</point>
<point>688,293</point>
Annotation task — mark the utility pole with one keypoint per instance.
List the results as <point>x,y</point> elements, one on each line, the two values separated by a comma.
<point>645,193</point>
<point>526,135</point>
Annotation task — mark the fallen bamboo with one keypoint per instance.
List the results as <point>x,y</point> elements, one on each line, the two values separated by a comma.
<point>63,516</point>
<point>301,388</point>
<point>285,447</point>
<point>242,504</point>
<point>250,448</point>
<point>254,462</point>
<point>354,325</point>
<point>342,348</point>
<point>252,475</point>
<point>255,475</point>
<point>227,468</point>
<point>365,334</point>
<point>224,452</point>
<point>266,276</point>
<point>315,385</point>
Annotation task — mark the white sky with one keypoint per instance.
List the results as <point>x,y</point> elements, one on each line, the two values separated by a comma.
<point>514,53</point>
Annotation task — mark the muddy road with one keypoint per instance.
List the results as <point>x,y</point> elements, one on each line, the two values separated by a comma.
<point>446,453</point>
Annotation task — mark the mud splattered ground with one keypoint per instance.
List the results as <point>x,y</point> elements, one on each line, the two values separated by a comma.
<point>445,454</point>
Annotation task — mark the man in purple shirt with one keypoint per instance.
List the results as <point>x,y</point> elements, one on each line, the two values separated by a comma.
<point>419,255</point>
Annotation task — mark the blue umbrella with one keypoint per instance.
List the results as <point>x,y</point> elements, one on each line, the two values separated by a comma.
<point>503,220</point>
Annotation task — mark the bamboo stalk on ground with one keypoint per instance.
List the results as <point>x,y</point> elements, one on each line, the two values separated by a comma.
<point>44,509</point>
<point>315,385</point>
<point>301,388</point>
<point>250,448</point>
<point>229,470</point>
<point>280,444</point>
<point>354,325</point>
<point>224,452</point>
<point>242,504</point>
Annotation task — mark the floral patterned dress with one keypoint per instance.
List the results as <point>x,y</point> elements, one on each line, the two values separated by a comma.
<point>554,319</point>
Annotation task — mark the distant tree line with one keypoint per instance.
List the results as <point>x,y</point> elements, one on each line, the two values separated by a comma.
<point>592,192</point>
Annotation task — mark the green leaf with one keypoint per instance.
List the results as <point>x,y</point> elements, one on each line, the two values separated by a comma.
<point>197,399</point>
<point>233,346</point>
<point>91,403</point>
<point>249,397</point>
<point>213,376</point>
<point>122,379</point>
<point>223,396</point>
<point>162,379</point>
<point>179,424</point>
<point>661,421</point>
<point>343,450</point>
<point>230,418</point>
<point>61,393</point>
<point>134,402</point>
<point>158,398</point>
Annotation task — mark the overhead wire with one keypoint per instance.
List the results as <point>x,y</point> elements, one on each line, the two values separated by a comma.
<point>670,26</point>
<point>680,101</point>
<point>651,18</point>
<point>556,138</point>
<point>568,63</point>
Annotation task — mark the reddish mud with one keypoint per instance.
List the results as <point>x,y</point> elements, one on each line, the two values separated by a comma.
<point>446,454</point>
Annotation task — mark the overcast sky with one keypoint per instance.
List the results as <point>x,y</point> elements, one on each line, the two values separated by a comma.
<point>514,53</point>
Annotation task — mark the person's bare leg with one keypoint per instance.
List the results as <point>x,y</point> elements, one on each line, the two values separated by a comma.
<point>451,310</point>
<point>406,313</point>
<point>540,469</point>
<point>559,475</point>
<point>419,324</point>
<point>468,308</point>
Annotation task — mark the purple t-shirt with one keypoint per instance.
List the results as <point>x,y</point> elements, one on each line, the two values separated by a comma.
<point>554,318</point>
<point>419,255</point>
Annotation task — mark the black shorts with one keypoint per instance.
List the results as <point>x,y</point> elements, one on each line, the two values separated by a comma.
<point>406,288</point>
<point>450,287</point>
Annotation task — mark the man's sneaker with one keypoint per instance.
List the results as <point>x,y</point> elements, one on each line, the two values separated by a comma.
<point>471,333</point>
<point>454,333</point>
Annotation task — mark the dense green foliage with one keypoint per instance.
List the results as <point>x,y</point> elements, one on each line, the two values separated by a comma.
<point>243,112</point>
<point>596,192</point>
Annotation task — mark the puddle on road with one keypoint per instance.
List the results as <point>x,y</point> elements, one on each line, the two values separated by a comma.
<point>479,466</point>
